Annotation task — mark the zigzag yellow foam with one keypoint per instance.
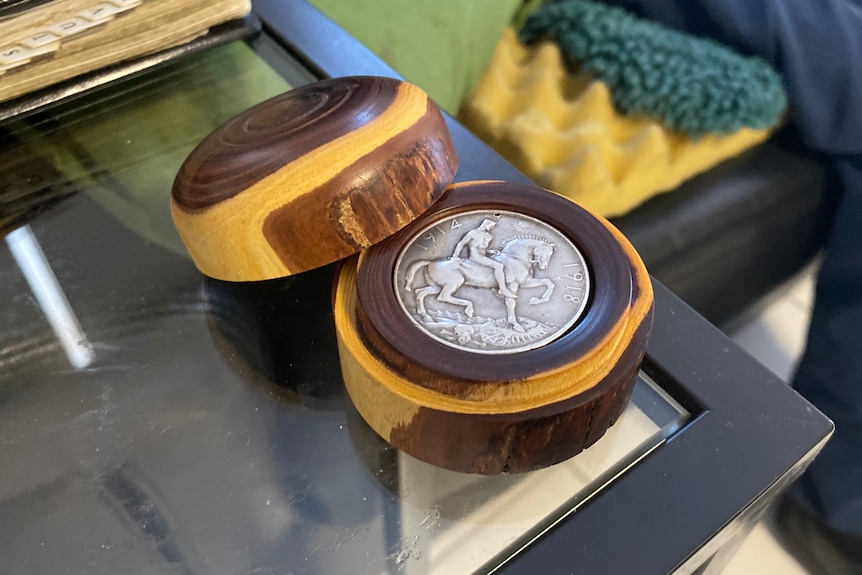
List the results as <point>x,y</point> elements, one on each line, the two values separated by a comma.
<point>562,130</point>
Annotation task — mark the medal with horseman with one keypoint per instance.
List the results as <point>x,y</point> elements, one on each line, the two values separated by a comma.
<point>491,281</point>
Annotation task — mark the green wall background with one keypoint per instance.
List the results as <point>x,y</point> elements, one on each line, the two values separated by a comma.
<point>442,46</point>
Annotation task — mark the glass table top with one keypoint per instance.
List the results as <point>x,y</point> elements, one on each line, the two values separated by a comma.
<point>154,420</point>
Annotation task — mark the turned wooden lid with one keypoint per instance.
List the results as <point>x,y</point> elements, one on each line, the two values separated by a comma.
<point>311,176</point>
<point>494,407</point>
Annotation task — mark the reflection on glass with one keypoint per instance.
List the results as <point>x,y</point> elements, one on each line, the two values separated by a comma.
<point>457,524</point>
<point>27,253</point>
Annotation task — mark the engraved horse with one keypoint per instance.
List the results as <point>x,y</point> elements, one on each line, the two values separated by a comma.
<point>519,257</point>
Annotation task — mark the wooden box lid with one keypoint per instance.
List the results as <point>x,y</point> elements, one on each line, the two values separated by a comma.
<point>311,176</point>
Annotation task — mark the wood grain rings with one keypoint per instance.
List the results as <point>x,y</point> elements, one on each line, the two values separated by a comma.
<point>491,411</point>
<point>310,177</point>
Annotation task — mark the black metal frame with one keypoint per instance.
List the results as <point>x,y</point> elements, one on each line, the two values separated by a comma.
<point>751,434</point>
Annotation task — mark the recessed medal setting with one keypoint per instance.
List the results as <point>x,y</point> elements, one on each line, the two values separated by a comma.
<point>506,411</point>
<point>492,281</point>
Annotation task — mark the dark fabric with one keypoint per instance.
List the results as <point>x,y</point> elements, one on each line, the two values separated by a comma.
<point>830,373</point>
<point>816,45</point>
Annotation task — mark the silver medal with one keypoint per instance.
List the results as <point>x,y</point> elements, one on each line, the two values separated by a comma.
<point>492,281</point>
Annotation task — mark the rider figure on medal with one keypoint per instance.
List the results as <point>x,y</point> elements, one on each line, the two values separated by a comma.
<point>477,241</point>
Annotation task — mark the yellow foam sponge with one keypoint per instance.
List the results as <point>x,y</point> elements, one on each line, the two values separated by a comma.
<point>562,130</point>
